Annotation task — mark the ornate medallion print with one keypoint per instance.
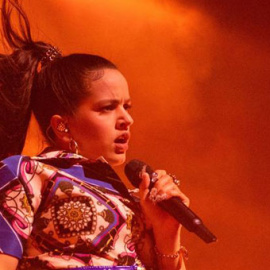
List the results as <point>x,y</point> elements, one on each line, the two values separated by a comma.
<point>74,216</point>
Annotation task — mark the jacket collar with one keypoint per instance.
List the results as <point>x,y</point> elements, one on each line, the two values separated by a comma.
<point>64,158</point>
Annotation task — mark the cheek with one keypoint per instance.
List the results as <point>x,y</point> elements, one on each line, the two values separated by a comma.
<point>92,130</point>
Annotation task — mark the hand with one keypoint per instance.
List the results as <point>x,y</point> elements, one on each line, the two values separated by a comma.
<point>163,189</point>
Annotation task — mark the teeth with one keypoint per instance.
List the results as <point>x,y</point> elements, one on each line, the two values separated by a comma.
<point>121,139</point>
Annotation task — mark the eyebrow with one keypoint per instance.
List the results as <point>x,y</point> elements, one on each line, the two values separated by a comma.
<point>113,101</point>
<point>110,101</point>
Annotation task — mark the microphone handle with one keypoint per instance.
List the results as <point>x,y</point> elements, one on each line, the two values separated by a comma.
<point>176,208</point>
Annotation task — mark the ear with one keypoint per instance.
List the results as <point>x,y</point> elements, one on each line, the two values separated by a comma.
<point>60,128</point>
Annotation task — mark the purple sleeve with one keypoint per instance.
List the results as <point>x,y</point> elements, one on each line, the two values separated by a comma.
<point>16,214</point>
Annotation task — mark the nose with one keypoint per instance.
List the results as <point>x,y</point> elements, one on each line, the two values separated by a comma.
<point>124,121</point>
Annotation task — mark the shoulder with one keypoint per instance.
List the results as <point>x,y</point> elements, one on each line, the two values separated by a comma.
<point>19,201</point>
<point>19,170</point>
<point>13,164</point>
<point>9,168</point>
<point>21,183</point>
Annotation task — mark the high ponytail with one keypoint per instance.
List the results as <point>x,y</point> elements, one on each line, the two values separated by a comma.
<point>15,39</point>
<point>17,72</point>
<point>36,77</point>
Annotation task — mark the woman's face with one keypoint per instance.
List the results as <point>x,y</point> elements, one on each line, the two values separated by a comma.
<point>101,125</point>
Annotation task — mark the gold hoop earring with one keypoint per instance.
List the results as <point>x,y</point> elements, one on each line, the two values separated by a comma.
<point>73,146</point>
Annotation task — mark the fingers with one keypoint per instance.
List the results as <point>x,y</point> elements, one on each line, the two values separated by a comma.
<point>166,185</point>
<point>144,185</point>
<point>163,188</point>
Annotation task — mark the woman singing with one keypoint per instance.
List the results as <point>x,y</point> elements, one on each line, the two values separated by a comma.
<point>66,208</point>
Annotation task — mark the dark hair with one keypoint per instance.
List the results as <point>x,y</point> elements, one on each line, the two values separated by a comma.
<point>56,88</point>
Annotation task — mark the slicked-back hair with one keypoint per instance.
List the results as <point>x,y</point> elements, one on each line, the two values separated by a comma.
<point>56,87</point>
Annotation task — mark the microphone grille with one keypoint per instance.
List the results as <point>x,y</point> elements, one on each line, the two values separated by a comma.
<point>133,169</point>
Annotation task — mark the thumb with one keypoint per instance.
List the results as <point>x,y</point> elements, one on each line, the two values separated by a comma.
<point>144,185</point>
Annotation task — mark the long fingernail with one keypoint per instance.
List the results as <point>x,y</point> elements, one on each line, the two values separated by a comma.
<point>152,195</point>
<point>161,197</point>
<point>154,177</point>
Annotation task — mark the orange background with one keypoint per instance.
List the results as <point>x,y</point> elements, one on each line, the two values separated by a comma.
<point>199,80</point>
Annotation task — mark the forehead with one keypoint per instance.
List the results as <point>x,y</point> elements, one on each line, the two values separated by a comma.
<point>112,85</point>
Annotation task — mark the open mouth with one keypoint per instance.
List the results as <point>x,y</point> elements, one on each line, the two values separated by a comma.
<point>122,139</point>
<point>121,143</point>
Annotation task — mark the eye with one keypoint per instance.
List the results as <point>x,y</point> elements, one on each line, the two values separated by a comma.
<point>127,106</point>
<point>108,108</point>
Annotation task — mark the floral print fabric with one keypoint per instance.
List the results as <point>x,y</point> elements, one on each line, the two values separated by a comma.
<point>60,210</point>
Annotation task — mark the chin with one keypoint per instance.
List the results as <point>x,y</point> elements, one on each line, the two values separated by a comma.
<point>116,160</point>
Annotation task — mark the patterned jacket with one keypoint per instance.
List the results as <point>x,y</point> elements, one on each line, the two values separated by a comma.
<point>61,210</point>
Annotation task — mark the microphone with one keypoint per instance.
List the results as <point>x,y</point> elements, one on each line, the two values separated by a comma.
<point>174,206</point>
